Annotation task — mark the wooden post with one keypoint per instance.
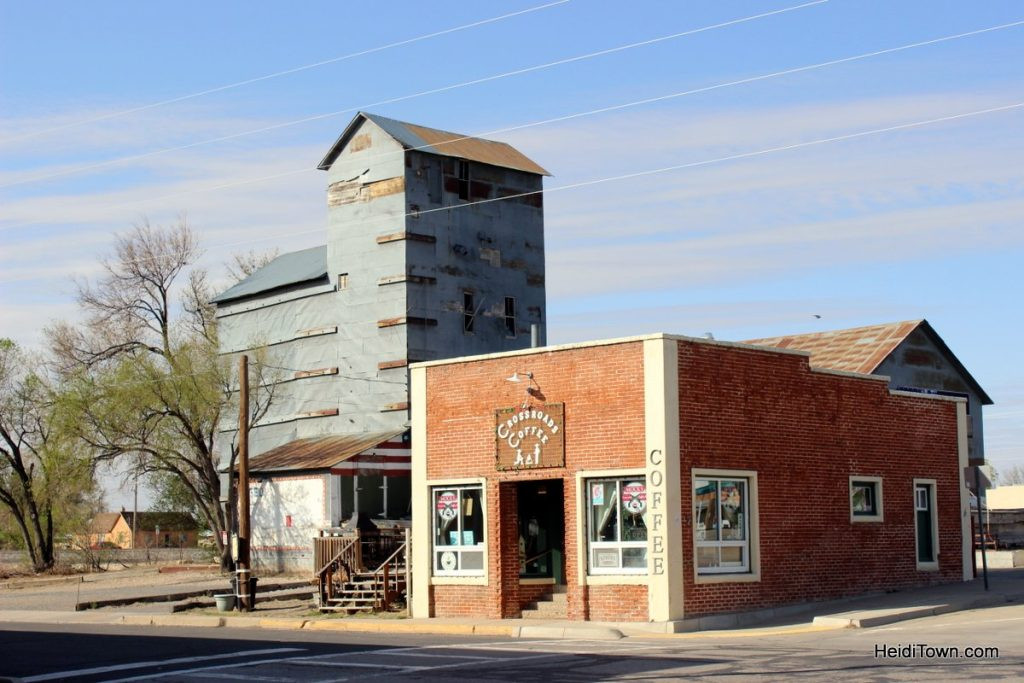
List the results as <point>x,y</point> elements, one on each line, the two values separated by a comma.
<point>408,579</point>
<point>243,570</point>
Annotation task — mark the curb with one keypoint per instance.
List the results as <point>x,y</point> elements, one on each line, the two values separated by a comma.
<point>871,618</point>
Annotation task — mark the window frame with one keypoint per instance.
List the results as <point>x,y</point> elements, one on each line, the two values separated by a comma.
<point>933,500</point>
<point>462,175</point>
<point>510,318</point>
<point>468,311</point>
<point>436,572</point>
<point>752,572</point>
<point>620,545</point>
<point>876,486</point>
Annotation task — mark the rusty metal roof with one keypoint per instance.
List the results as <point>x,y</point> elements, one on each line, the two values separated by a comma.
<point>858,349</point>
<point>863,349</point>
<point>441,142</point>
<point>318,453</point>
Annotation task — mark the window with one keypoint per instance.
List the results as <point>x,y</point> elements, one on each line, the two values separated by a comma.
<point>510,316</point>
<point>468,311</point>
<point>458,530</point>
<point>463,179</point>
<point>616,525</point>
<point>865,499</point>
<point>721,524</point>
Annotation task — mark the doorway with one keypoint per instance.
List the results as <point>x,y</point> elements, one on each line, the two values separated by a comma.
<point>541,512</point>
<point>925,524</point>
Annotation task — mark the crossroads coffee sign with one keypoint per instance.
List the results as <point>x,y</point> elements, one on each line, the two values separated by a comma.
<point>530,437</point>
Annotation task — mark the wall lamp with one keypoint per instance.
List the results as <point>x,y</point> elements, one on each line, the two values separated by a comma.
<point>519,376</point>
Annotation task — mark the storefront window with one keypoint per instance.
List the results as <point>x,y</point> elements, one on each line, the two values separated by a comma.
<point>458,531</point>
<point>721,528</point>
<point>617,525</point>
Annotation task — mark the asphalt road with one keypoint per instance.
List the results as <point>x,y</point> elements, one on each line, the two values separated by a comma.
<point>110,653</point>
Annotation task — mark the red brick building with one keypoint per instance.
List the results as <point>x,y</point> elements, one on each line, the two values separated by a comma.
<point>665,478</point>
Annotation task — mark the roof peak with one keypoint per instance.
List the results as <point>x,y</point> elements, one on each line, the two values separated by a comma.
<point>436,141</point>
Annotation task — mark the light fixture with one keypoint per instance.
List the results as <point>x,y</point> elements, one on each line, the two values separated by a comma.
<point>517,377</point>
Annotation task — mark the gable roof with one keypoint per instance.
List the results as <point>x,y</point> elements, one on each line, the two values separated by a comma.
<point>440,142</point>
<point>103,523</point>
<point>863,349</point>
<point>318,453</point>
<point>298,267</point>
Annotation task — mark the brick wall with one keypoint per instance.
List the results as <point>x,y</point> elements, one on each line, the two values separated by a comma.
<point>602,389</point>
<point>805,433</point>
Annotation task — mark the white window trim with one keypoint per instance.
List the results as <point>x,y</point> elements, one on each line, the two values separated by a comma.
<point>879,517</point>
<point>753,528</point>
<point>583,577</point>
<point>459,579</point>
<point>619,545</point>
<point>934,565</point>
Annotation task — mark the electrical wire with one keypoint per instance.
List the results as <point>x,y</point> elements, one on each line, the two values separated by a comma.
<point>616,107</point>
<point>277,74</point>
<point>403,98</point>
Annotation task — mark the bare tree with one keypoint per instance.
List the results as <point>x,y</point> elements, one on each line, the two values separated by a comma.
<point>248,263</point>
<point>1013,476</point>
<point>152,386</point>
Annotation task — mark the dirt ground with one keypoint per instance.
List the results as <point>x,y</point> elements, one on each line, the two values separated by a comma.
<point>53,592</point>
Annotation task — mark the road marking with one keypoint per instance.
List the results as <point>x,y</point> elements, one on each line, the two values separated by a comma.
<point>240,677</point>
<point>163,662</point>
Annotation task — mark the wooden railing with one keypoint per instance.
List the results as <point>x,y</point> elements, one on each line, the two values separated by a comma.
<point>386,576</point>
<point>346,561</point>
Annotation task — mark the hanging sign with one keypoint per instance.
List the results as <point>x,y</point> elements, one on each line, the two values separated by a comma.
<point>448,505</point>
<point>530,437</point>
<point>634,497</point>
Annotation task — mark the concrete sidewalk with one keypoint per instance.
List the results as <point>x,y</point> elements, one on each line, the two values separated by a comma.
<point>1005,586</point>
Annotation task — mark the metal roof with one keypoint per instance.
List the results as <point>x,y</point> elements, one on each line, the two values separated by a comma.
<point>318,453</point>
<point>297,267</point>
<point>863,349</point>
<point>858,349</point>
<point>440,142</point>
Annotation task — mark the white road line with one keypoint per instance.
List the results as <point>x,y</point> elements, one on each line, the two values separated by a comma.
<point>238,677</point>
<point>200,669</point>
<point>142,665</point>
<point>342,665</point>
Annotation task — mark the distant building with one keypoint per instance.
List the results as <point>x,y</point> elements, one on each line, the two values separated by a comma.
<point>420,263</point>
<point>152,530</point>
<point>910,353</point>
<point>1003,515</point>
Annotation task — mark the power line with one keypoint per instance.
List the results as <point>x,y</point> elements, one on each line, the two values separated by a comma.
<point>567,117</point>
<point>286,72</point>
<point>648,172</point>
<point>403,98</point>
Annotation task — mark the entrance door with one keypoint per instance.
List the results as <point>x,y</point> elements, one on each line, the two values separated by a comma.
<point>924,522</point>
<point>541,529</point>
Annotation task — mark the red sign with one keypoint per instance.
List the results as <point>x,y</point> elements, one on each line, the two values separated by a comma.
<point>634,497</point>
<point>448,504</point>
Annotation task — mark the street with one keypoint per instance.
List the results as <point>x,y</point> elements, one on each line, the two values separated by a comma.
<point>111,653</point>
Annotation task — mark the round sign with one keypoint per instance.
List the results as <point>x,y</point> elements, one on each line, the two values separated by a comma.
<point>448,561</point>
<point>448,505</point>
<point>634,497</point>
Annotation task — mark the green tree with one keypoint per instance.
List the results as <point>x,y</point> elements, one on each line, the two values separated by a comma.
<point>47,482</point>
<point>151,386</point>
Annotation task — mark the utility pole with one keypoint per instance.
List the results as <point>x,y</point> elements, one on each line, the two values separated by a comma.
<point>242,571</point>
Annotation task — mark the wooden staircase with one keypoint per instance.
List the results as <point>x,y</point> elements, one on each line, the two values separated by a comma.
<point>553,605</point>
<point>366,573</point>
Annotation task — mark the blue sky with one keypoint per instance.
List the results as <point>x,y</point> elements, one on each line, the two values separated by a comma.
<point>918,222</point>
